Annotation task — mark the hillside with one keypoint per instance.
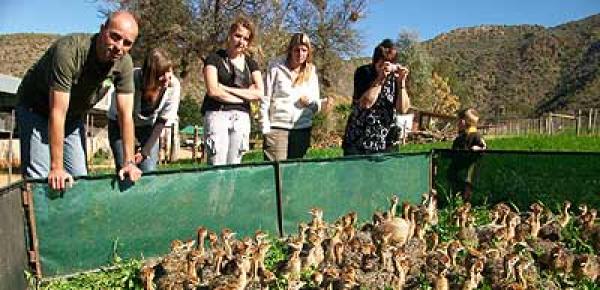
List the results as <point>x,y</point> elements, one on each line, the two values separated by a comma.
<point>19,51</point>
<point>528,69</point>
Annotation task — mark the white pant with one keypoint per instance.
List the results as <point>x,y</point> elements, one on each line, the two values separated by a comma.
<point>226,136</point>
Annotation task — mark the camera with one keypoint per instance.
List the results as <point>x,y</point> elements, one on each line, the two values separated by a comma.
<point>397,67</point>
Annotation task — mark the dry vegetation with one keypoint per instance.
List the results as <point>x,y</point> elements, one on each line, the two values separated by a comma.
<point>18,52</point>
<point>526,68</point>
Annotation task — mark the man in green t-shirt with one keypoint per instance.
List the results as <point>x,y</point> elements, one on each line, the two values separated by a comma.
<point>62,86</point>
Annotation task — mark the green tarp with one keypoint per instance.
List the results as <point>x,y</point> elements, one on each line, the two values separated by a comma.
<point>522,177</point>
<point>362,184</point>
<point>77,230</point>
<point>189,130</point>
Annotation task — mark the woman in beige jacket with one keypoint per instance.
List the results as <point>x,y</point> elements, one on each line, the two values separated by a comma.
<point>290,102</point>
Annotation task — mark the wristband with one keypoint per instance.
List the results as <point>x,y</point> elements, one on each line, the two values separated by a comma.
<point>128,162</point>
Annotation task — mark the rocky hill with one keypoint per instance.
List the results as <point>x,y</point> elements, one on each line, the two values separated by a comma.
<point>528,69</point>
<point>19,51</point>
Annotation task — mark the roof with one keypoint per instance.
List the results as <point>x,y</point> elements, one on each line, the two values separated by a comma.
<point>190,130</point>
<point>9,84</point>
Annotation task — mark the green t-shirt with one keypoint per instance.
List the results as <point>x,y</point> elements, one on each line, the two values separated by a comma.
<point>71,65</point>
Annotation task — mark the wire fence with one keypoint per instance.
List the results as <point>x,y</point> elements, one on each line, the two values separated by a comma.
<point>579,122</point>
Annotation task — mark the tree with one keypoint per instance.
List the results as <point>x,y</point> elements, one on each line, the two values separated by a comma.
<point>331,27</point>
<point>189,112</point>
<point>191,29</point>
<point>449,71</point>
<point>412,54</point>
<point>443,100</point>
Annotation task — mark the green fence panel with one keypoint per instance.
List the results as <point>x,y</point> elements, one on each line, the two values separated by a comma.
<point>78,229</point>
<point>522,177</point>
<point>361,184</point>
<point>13,253</point>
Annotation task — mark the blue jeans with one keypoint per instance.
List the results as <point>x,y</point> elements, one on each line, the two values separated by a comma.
<point>142,134</point>
<point>35,147</point>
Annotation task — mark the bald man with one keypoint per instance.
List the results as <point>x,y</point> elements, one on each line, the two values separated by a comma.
<point>62,86</point>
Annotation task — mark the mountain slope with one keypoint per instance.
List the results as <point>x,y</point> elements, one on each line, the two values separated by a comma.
<point>528,69</point>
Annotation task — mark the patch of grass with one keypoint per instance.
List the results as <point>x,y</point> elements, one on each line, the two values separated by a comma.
<point>564,142</point>
<point>121,275</point>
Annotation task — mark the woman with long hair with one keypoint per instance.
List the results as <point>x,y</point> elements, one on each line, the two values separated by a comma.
<point>233,80</point>
<point>291,99</point>
<point>156,100</point>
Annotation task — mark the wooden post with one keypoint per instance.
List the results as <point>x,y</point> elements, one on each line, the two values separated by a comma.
<point>589,126</point>
<point>161,142</point>
<point>87,142</point>
<point>530,126</point>
<point>578,122</point>
<point>91,128</point>
<point>172,144</point>
<point>595,121</point>
<point>10,146</point>
<point>195,143</point>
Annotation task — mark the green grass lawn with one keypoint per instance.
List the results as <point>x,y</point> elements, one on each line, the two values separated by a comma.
<point>528,143</point>
<point>566,142</point>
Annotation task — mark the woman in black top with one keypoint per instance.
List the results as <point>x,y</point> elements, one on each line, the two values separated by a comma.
<point>379,92</point>
<point>233,80</point>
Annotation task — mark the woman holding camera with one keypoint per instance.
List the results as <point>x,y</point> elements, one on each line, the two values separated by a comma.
<point>233,80</point>
<point>379,92</point>
<point>291,100</point>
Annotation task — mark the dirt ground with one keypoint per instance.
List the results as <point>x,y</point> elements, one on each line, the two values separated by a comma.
<point>6,179</point>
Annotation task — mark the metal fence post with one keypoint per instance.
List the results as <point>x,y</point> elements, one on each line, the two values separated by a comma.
<point>194,147</point>
<point>279,193</point>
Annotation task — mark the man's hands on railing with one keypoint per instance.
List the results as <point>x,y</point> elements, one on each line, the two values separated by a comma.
<point>130,170</point>
<point>59,179</point>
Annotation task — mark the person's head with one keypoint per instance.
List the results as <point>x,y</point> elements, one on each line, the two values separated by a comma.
<point>157,68</point>
<point>299,54</point>
<point>385,51</point>
<point>116,37</point>
<point>299,50</point>
<point>467,118</point>
<point>240,36</point>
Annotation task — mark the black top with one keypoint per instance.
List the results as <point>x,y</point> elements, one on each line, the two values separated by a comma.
<point>231,76</point>
<point>363,77</point>
<point>464,141</point>
<point>371,130</point>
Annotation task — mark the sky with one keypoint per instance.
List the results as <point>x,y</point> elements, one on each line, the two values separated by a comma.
<point>384,18</point>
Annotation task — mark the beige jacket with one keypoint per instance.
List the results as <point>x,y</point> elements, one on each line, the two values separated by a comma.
<point>280,107</point>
